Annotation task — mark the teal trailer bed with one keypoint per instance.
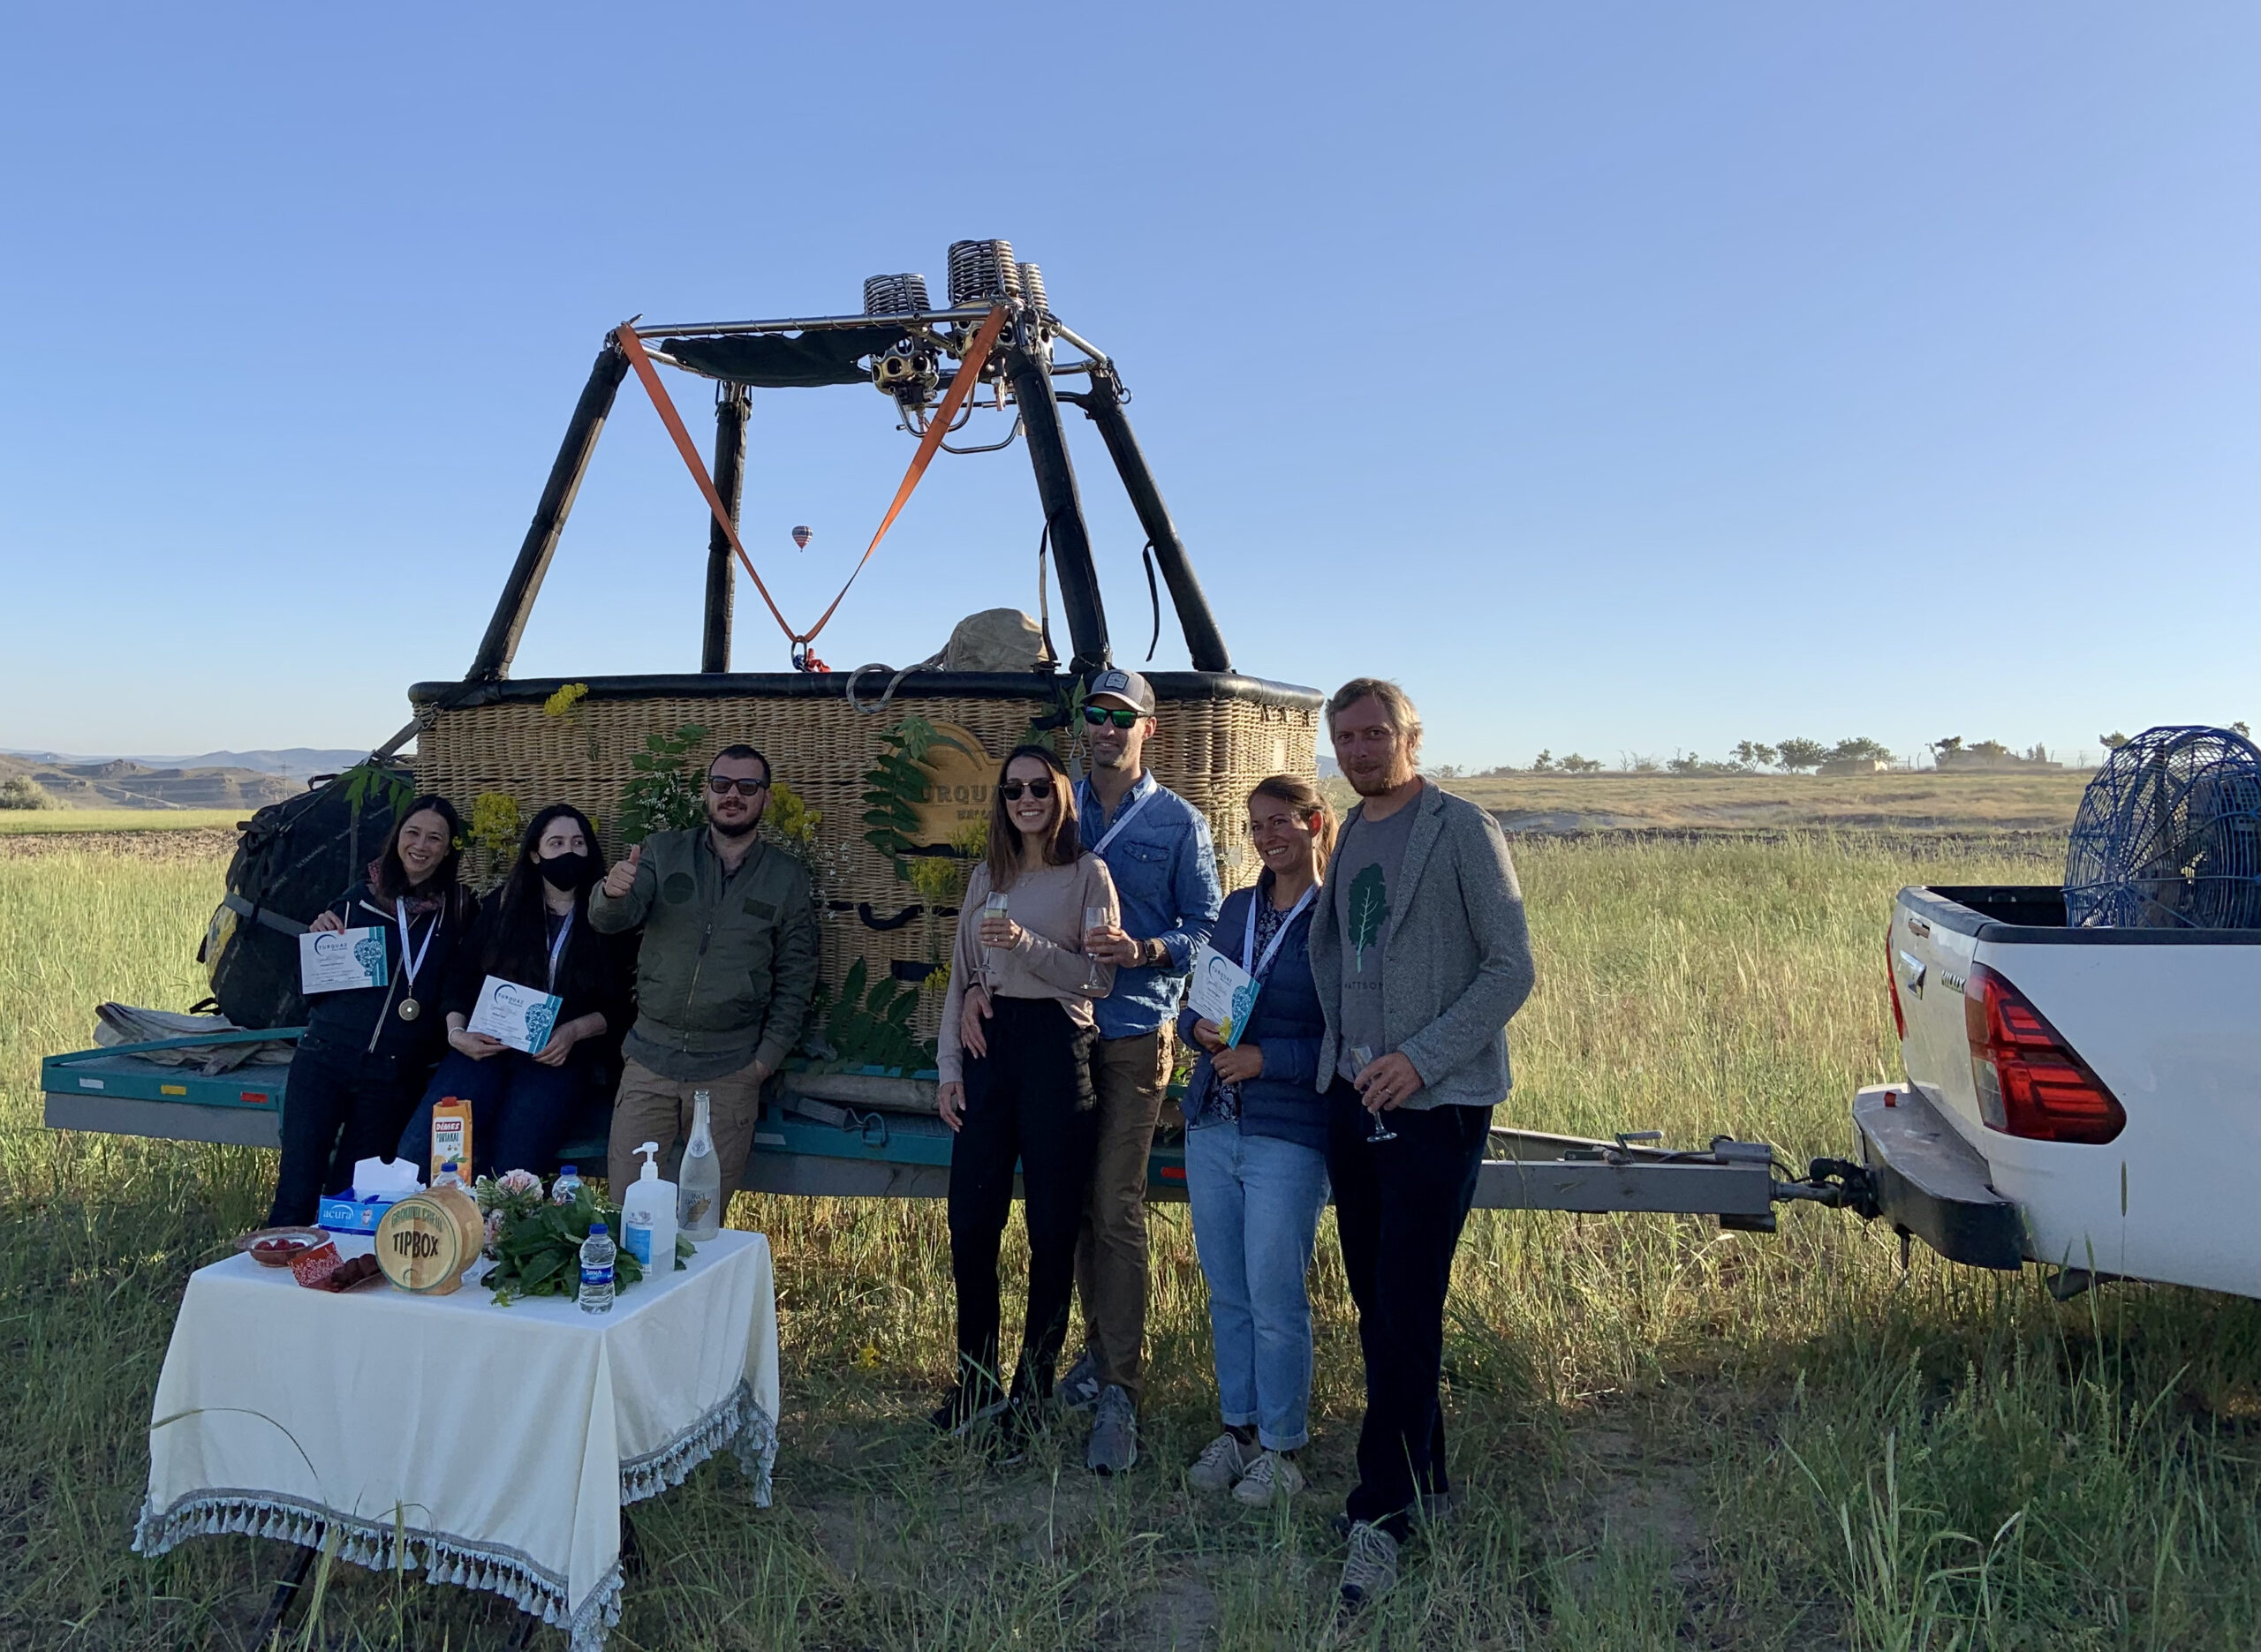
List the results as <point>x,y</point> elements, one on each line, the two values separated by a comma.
<point>811,1145</point>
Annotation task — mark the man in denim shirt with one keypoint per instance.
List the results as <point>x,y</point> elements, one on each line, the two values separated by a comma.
<point>1157,849</point>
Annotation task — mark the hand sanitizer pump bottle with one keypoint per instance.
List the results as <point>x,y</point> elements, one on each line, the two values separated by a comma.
<point>647,1217</point>
<point>699,1202</point>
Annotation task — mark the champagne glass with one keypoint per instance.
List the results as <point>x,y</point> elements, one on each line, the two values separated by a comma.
<point>1094,917</point>
<point>996,906</point>
<point>1362,1057</point>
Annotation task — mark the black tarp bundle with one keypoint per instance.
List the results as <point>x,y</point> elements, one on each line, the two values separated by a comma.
<point>776,361</point>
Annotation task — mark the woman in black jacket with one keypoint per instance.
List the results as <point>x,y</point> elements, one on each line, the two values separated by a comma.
<point>367,1051</point>
<point>534,931</point>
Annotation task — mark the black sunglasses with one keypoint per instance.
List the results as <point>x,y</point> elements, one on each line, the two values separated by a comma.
<point>723,785</point>
<point>1038,789</point>
<point>1099,716</point>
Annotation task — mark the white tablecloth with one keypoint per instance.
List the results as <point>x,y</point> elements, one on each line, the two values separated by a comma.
<point>501,1442</point>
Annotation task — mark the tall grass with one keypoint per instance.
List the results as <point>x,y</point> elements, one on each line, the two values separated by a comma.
<point>1663,1435</point>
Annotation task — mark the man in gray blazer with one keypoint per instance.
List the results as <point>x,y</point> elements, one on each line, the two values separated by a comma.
<point>1421,955</point>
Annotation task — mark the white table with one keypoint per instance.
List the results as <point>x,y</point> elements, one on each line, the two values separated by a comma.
<point>501,1442</point>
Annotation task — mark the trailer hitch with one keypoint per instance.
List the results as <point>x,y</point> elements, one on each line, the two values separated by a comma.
<point>1839,1183</point>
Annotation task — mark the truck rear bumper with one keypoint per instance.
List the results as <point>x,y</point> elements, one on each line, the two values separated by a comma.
<point>1929,1182</point>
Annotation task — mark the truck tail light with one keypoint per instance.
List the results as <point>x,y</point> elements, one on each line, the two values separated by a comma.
<point>1892,979</point>
<point>2031,1083</point>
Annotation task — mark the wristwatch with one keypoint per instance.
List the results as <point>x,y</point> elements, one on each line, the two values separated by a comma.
<point>1153,954</point>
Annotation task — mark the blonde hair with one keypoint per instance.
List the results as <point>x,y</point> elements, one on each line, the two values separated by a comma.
<point>1306,800</point>
<point>1403,717</point>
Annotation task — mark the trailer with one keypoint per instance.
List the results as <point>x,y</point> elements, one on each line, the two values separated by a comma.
<point>815,1140</point>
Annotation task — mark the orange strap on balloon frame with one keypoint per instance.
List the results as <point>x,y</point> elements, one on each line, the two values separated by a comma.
<point>961,385</point>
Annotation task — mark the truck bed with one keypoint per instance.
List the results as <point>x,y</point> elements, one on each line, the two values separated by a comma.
<point>2168,1021</point>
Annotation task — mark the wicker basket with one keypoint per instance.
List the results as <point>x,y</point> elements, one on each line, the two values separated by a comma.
<point>1217,735</point>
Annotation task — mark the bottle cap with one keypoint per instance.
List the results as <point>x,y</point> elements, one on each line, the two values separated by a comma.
<point>448,1168</point>
<point>598,1227</point>
<point>568,1170</point>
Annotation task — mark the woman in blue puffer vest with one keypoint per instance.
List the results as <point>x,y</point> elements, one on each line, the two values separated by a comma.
<point>1256,1155</point>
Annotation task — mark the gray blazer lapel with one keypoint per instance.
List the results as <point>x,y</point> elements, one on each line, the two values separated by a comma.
<point>1428,826</point>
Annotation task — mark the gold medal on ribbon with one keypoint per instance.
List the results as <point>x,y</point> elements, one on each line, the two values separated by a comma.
<point>410,1009</point>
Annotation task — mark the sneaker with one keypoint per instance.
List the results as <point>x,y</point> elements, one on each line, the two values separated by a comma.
<point>965,1411</point>
<point>1223,1460</point>
<point>1272,1478</point>
<point>1436,1509</point>
<point>1078,1390</point>
<point>1371,1571</point>
<point>1114,1448</point>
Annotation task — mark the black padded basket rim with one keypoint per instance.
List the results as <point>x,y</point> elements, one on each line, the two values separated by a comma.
<point>1180,686</point>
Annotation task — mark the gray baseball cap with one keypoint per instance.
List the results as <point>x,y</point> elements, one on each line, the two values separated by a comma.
<point>1127,686</point>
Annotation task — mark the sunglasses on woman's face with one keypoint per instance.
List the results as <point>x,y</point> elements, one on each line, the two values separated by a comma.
<point>1041,790</point>
<point>723,785</point>
<point>1121,716</point>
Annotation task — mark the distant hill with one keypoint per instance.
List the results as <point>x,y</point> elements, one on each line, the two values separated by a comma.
<point>122,783</point>
<point>296,762</point>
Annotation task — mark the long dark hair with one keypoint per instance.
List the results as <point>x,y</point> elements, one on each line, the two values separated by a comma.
<point>1066,842</point>
<point>518,946</point>
<point>390,881</point>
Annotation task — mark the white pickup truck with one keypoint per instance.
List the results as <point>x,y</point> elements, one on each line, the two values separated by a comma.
<point>2086,1098</point>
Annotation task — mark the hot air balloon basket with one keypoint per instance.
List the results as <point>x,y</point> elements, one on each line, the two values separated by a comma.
<point>499,747</point>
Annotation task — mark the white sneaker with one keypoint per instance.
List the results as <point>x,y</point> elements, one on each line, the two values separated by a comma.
<point>1223,1460</point>
<point>1272,1478</point>
<point>1371,1571</point>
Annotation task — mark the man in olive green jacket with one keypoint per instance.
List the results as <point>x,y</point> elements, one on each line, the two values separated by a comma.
<point>723,982</point>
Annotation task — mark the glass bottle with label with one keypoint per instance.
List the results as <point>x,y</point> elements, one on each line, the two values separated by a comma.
<point>698,1201</point>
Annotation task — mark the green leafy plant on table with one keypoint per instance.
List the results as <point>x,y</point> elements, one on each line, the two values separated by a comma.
<point>537,1244</point>
<point>664,797</point>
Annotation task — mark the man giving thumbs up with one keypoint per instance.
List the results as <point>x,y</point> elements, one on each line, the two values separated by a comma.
<point>723,981</point>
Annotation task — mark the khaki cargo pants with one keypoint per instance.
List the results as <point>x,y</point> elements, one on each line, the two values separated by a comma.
<point>650,1108</point>
<point>1129,1076</point>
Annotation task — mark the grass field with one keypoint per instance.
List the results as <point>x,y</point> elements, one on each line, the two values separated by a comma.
<point>1666,1436</point>
<point>44,822</point>
<point>1924,801</point>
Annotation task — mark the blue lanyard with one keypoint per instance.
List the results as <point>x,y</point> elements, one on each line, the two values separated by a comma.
<point>1258,969</point>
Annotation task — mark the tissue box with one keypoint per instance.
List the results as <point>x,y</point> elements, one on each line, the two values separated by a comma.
<point>356,1215</point>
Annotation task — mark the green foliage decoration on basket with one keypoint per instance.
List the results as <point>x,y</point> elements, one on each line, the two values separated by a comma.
<point>896,784</point>
<point>870,1025</point>
<point>371,787</point>
<point>664,797</point>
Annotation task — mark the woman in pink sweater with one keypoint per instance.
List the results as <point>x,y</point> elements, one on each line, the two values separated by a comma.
<point>1020,1090</point>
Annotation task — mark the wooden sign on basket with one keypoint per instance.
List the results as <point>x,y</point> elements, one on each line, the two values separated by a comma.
<point>426,1242</point>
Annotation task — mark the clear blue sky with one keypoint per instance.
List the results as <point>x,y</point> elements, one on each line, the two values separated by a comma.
<point>1618,378</point>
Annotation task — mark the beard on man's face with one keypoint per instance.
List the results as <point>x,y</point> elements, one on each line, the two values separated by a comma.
<point>1381,778</point>
<point>737,829</point>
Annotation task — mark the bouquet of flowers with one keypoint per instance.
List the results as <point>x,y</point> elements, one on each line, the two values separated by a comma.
<point>514,1193</point>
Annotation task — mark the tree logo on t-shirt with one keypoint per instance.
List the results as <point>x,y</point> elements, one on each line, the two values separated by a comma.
<point>1369,906</point>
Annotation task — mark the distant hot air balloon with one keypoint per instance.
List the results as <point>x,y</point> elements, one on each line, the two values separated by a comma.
<point>801,538</point>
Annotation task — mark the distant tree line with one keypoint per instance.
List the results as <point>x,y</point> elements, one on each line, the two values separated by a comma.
<point>1749,756</point>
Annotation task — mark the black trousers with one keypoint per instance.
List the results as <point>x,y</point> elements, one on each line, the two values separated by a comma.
<point>340,1106</point>
<point>1399,1207</point>
<point>1029,1101</point>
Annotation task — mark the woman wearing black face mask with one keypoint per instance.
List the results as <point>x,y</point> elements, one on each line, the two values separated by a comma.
<point>534,932</point>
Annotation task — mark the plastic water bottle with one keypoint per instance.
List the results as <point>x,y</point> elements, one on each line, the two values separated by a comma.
<point>568,1184</point>
<point>699,1196</point>
<point>597,1254</point>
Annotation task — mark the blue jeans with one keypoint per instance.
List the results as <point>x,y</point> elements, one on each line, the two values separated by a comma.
<point>1256,1202</point>
<point>521,1112</point>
